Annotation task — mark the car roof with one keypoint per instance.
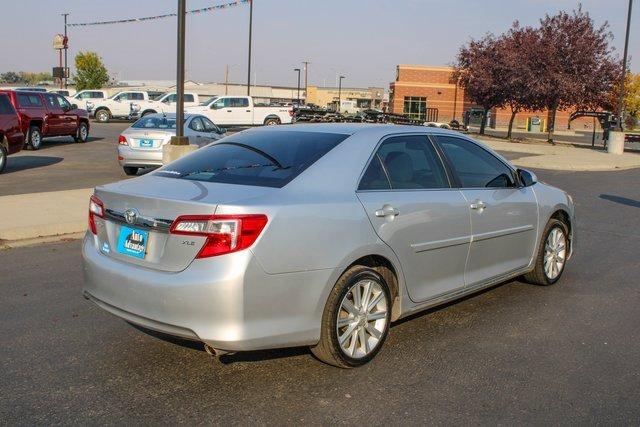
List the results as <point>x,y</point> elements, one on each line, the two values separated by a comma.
<point>354,128</point>
<point>172,115</point>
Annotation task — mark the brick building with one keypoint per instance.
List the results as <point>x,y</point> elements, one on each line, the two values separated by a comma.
<point>429,93</point>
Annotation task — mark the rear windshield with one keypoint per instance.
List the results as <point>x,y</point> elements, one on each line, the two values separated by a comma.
<point>5,105</point>
<point>155,123</point>
<point>267,159</point>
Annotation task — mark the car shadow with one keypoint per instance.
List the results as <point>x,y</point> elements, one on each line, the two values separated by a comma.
<point>621,200</point>
<point>58,141</point>
<point>20,163</point>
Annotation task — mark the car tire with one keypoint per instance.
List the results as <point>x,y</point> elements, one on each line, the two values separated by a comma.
<point>551,258</point>
<point>3,157</point>
<point>272,121</point>
<point>34,138</point>
<point>103,116</point>
<point>82,134</point>
<point>352,337</point>
<point>130,170</point>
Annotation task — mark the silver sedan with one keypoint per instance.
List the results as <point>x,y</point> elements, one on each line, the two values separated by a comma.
<point>140,145</point>
<point>318,235</point>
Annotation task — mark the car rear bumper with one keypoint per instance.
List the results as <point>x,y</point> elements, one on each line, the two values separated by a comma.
<point>228,302</point>
<point>140,158</point>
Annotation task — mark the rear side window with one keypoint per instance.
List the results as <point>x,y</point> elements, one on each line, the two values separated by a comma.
<point>408,163</point>
<point>29,100</point>
<point>188,97</point>
<point>5,105</point>
<point>267,159</point>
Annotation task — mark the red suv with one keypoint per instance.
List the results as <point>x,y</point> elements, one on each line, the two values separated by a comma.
<point>11,136</point>
<point>45,114</point>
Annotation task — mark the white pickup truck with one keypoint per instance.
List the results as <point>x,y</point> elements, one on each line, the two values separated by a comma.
<point>241,111</point>
<point>86,98</point>
<point>132,104</point>
<point>165,103</point>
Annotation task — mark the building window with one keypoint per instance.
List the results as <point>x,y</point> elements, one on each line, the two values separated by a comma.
<point>415,107</point>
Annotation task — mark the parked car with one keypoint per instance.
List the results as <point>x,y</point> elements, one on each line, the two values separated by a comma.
<point>165,103</point>
<point>140,145</point>
<point>87,98</point>
<point>48,114</point>
<point>11,136</point>
<point>240,111</point>
<point>318,235</point>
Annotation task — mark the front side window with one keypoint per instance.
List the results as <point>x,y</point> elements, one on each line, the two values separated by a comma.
<point>63,103</point>
<point>415,107</point>
<point>238,102</point>
<point>409,162</point>
<point>83,95</point>
<point>475,166</point>
<point>208,125</point>
<point>267,159</point>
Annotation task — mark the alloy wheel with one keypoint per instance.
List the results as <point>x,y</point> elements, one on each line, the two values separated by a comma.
<point>362,319</point>
<point>36,139</point>
<point>83,133</point>
<point>555,253</point>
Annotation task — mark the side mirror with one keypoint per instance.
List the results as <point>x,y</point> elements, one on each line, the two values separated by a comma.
<point>527,178</point>
<point>74,106</point>
<point>222,131</point>
<point>214,106</point>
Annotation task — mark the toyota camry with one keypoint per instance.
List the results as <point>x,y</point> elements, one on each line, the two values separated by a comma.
<point>318,235</point>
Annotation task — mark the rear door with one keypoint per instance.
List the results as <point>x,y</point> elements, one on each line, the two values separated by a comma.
<point>55,117</point>
<point>504,216</point>
<point>408,199</point>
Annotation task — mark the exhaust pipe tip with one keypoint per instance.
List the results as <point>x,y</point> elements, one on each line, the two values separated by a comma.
<point>214,351</point>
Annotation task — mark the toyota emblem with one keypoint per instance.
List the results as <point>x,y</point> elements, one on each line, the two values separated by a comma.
<point>131,215</point>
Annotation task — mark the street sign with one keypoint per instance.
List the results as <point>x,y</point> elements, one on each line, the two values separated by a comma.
<point>59,41</point>
<point>60,72</point>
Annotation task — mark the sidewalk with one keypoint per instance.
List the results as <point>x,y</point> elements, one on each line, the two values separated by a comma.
<point>43,215</point>
<point>563,156</point>
<point>35,217</point>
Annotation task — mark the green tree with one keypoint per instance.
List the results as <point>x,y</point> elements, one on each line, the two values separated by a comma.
<point>90,71</point>
<point>632,98</point>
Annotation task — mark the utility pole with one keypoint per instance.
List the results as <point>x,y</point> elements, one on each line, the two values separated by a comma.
<point>226,80</point>
<point>306,80</point>
<point>298,70</point>
<point>66,78</point>
<point>182,11</point>
<point>249,61</point>
<point>624,68</point>
<point>339,92</point>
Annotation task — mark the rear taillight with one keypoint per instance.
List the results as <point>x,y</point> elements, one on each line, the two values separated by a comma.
<point>122,140</point>
<point>224,233</point>
<point>96,208</point>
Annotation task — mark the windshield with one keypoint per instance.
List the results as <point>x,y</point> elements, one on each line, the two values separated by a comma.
<point>210,100</point>
<point>155,122</point>
<point>268,159</point>
<point>115,95</point>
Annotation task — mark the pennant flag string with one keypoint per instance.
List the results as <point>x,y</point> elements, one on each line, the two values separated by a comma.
<point>167,15</point>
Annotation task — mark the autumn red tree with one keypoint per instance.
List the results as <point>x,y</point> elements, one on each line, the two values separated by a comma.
<point>575,68</point>
<point>479,69</point>
<point>521,83</point>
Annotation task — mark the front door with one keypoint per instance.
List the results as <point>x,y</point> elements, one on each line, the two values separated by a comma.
<point>407,196</point>
<point>504,217</point>
<point>70,116</point>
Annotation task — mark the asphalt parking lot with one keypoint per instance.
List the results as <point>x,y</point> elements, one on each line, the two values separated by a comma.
<point>567,354</point>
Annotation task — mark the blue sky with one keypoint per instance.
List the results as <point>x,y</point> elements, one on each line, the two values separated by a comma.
<point>361,39</point>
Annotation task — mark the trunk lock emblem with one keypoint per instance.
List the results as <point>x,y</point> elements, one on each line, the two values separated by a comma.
<point>131,215</point>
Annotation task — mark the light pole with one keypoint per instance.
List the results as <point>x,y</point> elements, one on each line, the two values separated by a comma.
<point>64,72</point>
<point>298,70</point>
<point>624,68</point>
<point>339,92</point>
<point>182,10</point>
<point>306,80</point>
<point>249,60</point>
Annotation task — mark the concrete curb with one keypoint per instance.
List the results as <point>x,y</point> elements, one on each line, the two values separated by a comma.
<point>36,215</point>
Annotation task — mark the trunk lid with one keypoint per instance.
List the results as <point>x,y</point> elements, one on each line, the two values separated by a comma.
<point>148,139</point>
<point>156,202</point>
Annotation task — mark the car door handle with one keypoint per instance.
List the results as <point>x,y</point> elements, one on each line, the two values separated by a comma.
<point>247,111</point>
<point>387,210</point>
<point>228,111</point>
<point>478,205</point>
